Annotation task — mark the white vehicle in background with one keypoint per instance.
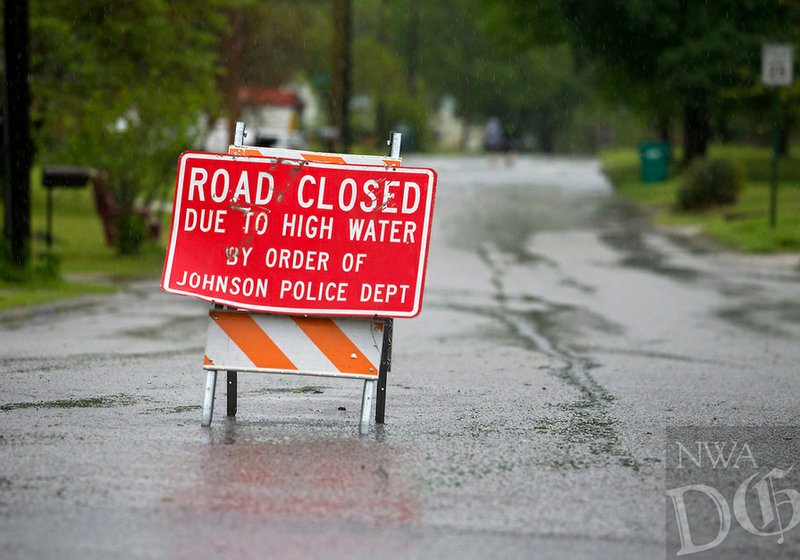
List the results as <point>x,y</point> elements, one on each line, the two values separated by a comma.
<point>273,117</point>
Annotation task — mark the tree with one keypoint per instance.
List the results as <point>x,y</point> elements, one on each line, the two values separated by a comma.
<point>669,56</point>
<point>268,44</point>
<point>526,76</point>
<point>686,53</point>
<point>123,87</point>
<point>385,94</point>
<point>16,140</point>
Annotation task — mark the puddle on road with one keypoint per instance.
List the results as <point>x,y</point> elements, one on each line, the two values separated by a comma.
<point>767,318</point>
<point>623,229</point>
<point>248,469</point>
<point>507,217</point>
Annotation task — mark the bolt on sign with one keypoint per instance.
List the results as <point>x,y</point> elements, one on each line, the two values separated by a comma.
<point>296,237</point>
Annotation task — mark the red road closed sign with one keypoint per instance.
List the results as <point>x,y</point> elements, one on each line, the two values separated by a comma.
<point>294,237</point>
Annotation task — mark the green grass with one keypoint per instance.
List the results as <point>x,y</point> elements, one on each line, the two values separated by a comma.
<point>87,264</point>
<point>743,226</point>
<point>43,291</point>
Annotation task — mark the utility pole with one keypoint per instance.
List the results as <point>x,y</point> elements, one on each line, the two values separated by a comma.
<point>412,46</point>
<point>233,52</point>
<point>380,110</point>
<point>17,143</point>
<point>341,81</point>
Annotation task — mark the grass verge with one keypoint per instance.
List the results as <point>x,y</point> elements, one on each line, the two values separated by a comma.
<point>37,292</point>
<point>743,226</point>
<point>87,264</point>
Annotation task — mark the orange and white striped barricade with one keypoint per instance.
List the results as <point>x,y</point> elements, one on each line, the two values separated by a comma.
<point>341,347</point>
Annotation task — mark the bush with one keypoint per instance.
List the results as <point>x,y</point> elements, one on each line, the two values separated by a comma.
<point>709,183</point>
<point>45,267</point>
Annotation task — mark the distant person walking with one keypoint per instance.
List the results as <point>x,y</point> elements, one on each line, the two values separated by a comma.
<point>493,137</point>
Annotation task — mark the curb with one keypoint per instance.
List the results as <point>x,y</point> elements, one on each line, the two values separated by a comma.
<point>59,307</point>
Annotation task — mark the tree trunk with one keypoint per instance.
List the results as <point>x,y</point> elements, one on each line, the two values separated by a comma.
<point>412,41</point>
<point>130,227</point>
<point>341,82</point>
<point>466,128</point>
<point>547,140</point>
<point>381,127</point>
<point>17,143</point>
<point>696,132</point>
<point>724,129</point>
<point>663,123</point>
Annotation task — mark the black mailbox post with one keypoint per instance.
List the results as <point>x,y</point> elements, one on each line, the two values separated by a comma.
<point>61,176</point>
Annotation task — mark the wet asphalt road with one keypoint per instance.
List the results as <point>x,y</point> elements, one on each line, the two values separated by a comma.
<point>526,408</point>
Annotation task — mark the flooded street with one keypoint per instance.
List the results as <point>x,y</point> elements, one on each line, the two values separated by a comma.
<point>526,408</point>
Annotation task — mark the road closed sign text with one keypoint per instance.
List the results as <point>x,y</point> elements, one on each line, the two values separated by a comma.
<point>294,237</point>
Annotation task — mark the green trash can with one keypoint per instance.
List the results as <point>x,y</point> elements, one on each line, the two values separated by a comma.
<point>655,161</point>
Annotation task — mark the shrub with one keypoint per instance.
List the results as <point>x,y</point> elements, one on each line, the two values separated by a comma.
<point>46,266</point>
<point>709,183</point>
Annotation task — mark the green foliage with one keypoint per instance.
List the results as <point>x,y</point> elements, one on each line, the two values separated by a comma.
<point>467,50</point>
<point>684,49</point>
<point>122,86</point>
<point>131,233</point>
<point>283,39</point>
<point>744,225</point>
<point>709,183</point>
<point>380,73</point>
<point>46,267</point>
<point>79,262</point>
<point>539,23</point>
<point>670,58</point>
<point>544,97</point>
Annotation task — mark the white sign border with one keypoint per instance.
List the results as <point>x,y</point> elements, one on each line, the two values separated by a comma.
<point>421,268</point>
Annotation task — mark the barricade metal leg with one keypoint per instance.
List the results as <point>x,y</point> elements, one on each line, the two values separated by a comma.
<point>231,394</point>
<point>208,400</point>
<point>383,371</point>
<point>395,141</point>
<point>366,405</point>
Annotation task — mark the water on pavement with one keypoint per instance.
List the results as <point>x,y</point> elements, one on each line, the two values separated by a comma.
<point>526,405</point>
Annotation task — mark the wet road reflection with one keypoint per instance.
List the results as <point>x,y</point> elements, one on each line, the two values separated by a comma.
<point>260,470</point>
